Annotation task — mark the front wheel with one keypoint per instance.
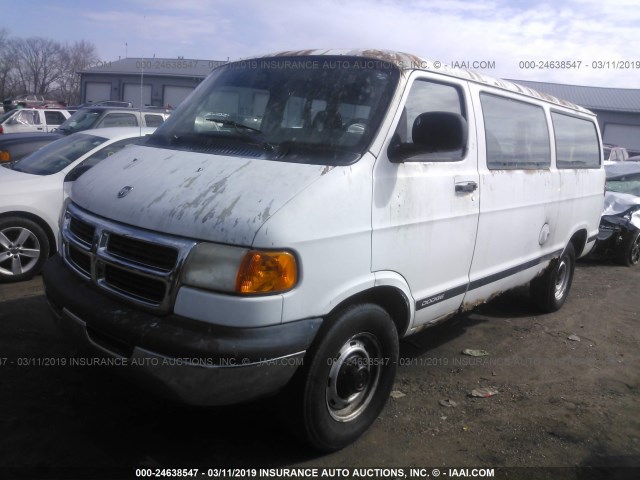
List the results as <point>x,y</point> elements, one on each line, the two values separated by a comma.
<point>24,247</point>
<point>550,290</point>
<point>349,378</point>
<point>631,250</point>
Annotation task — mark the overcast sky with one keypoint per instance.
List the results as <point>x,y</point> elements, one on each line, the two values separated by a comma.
<point>602,35</point>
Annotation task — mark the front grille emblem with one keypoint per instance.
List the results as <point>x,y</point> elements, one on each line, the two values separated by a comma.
<point>124,192</point>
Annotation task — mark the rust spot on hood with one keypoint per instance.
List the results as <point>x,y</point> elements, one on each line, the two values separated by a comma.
<point>296,53</point>
<point>407,62</point>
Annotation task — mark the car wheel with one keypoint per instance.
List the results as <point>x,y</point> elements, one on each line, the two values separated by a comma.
<point>349,377</point>
<point>550,290</point>
<point>24,247</point>
<point>631,250</point>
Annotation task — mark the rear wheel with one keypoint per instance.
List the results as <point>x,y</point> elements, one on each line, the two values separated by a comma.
<point>631,250</point>
<point>349,376</point>
<point>24,247</point>
<point>550,290</point>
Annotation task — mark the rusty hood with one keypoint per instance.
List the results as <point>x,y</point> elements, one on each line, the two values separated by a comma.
<point>217,198</point>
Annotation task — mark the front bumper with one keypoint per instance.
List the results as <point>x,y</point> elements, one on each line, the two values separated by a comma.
<point>614,231</point>
<point>192,361</point>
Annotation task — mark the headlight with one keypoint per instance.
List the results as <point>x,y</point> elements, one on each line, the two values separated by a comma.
<point>240,270</point>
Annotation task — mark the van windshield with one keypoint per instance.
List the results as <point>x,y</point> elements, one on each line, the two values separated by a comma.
<point>312,109</point>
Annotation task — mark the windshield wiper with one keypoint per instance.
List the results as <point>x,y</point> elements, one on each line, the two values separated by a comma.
<point>236,125</point>
<point>270,147</point>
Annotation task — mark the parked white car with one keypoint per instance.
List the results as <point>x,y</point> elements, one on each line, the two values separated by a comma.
<point>33,189</point>
<point>28,120</point>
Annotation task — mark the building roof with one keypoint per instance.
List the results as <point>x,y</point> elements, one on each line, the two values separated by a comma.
<point>593,98</point>
<point>171,67</point>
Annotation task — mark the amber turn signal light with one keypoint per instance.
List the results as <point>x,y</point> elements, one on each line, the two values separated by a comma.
<point>266,272</point>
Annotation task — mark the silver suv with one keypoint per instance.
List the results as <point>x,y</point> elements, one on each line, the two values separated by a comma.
<point>103,117</point>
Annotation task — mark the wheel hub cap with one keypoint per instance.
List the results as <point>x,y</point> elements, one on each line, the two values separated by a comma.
<point>19,251</point>
<point>353,377</point>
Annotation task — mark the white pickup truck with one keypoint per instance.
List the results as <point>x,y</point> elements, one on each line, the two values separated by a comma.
<point>33,120</point>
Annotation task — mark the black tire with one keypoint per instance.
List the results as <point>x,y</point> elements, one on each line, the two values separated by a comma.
<point>24,247</point>
<point>347,377</point>
<point>550,290</point>
<point>631,250</point>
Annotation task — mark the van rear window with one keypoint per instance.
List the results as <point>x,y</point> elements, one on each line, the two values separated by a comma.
<point>576,142</point>
<point>516,134</point>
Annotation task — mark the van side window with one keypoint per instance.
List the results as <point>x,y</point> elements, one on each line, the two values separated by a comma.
<point>576,142</point>
<point>516,134</point>
<point>425,97</point>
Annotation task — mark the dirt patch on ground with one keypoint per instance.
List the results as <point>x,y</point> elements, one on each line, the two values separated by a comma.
<point>560,402</point>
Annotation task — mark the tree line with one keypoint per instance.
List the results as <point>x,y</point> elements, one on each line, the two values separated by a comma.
<point>43,66</point>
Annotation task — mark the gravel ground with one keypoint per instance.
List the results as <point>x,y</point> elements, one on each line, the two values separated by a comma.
<point>561,402</point>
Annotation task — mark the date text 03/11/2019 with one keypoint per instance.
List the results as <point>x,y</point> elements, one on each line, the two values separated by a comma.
<point>579,64</point>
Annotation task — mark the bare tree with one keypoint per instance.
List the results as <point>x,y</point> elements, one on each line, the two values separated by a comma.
<point>43,66</point>
<point>78,56</point>
<point>38,63</point>
<point>5,62</point>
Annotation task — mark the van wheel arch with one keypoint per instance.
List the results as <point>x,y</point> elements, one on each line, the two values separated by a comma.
<point>391,299</point>
<point>579,241</point>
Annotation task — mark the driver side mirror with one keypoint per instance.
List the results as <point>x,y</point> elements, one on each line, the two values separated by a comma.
<point>432,133</point>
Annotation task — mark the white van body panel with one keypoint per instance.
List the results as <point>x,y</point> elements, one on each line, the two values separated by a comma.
<point>400,232</point>
<point>219,309</point>
<point>515,206</point>
<point>328,226</point>
<point>212,197</point>
<point>422,227</point>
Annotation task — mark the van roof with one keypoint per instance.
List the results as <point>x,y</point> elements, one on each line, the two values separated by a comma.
<point>407,61</point>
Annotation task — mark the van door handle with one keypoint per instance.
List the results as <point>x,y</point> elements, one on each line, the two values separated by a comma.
<point>466,187</point>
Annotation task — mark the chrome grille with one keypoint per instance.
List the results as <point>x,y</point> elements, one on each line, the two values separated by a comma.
<point>143,253</point>
<point>81,260</point>
<point>137,265</point>
<point>82,231</point>
<point>144,288</point>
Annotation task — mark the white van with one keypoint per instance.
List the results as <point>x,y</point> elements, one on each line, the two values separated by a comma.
<point>299,213</point>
